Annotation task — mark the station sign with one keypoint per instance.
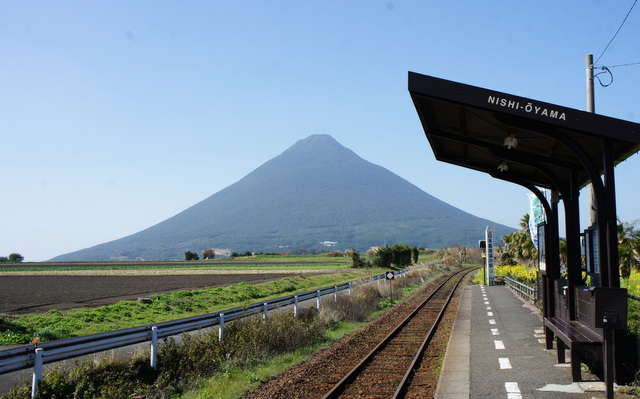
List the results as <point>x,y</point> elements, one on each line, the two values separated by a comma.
<point>489,259</point>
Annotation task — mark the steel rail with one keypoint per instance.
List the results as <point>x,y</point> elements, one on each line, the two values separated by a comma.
<point>415,363</point>
<point>339,388</point>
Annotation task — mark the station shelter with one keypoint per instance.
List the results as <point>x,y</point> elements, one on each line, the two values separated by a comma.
<point>551,149</point>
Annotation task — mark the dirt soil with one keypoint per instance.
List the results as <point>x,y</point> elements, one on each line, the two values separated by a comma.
<point>34,293</point>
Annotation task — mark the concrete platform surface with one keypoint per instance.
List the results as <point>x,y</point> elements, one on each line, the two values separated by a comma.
<point>497,350</point>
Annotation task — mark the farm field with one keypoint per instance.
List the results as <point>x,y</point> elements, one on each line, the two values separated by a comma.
<point>35,294</point>
<point>36,288</point>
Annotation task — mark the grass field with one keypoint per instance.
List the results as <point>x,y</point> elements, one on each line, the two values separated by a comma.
<point>175,291</point>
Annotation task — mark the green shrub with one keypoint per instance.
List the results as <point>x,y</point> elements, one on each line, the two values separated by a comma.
<point>524,274</point>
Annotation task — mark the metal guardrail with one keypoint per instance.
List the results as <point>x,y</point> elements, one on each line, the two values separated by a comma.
<point>528,293</point>
<point>34,355</point>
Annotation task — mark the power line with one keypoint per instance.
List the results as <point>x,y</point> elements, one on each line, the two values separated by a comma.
<point>622,65</point>
<point>604,70</point>
<point>616,34</point>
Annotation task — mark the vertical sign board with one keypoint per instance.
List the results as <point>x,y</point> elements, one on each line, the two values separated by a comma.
<point>592,256</point>
<point>489,259</point>
<point>542,248</point>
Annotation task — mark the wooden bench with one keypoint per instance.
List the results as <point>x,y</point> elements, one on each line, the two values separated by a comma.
<point>574,335</point>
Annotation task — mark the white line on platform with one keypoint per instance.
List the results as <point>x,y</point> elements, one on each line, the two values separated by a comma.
<point>490,314</point>
<point>494,331</point>
<point>513,390</point>
<point>492,321</point>
<point>505,364</point>
<point>499,344</point>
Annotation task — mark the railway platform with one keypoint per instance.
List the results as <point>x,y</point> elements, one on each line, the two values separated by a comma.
<point>497,350</point>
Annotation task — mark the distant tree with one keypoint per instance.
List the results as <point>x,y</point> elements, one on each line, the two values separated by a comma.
<point>415,254</point>
<point>234,254</point>
<point>4,259</point>
<point>16,257</point>
<point>400,255</point>
<point>382,257</point>
<point>191,256</point>
<point>356,260</point>
<point>208,254</point>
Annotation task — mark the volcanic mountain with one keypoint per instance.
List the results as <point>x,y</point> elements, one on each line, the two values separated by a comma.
<point>314,194</point>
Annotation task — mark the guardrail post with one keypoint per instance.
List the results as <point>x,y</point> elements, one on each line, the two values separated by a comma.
<point>350,287</point>
<point>154,347</point>
<point>335,293</point>
<point>318,299</point>
<point>221,327</point>
<point>295,306</point>
<point>37,372</point>
<point>265,309</point>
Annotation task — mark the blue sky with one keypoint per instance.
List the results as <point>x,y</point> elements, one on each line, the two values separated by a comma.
<point>117,115</point>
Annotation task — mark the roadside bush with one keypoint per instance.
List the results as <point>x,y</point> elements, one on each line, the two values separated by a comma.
<point>524,274</point>
<point>633,287</point>
<point>94,378</point>
<point>355,307</point>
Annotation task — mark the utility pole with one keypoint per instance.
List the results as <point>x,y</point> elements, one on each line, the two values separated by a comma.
<point>609,347</point>
<point>591,107</point>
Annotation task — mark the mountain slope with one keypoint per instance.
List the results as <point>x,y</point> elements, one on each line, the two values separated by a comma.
<point>315,191</point>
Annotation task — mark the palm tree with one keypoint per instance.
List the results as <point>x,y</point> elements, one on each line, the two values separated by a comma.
<point>628,247</point>
<point>519,246</point>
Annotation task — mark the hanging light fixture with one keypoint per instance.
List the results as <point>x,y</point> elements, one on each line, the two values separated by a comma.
<point>511,141</point>
<point>503,167</point>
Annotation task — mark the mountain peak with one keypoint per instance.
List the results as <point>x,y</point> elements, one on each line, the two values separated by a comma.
<point>318,140</point>
<point>318,148</point>
<point>314,192</point>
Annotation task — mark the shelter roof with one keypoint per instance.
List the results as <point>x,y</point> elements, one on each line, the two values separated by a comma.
<point>472,127</point>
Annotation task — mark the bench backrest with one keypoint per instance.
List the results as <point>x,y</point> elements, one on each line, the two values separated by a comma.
<point>584,308</point>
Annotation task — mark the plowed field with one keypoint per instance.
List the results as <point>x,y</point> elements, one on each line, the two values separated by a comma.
<point>34,292</point>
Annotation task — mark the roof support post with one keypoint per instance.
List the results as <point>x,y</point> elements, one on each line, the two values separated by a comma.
<point>572,226</point>
<point>552,243</point>
<point>553,254</point>
<point>612,217</point>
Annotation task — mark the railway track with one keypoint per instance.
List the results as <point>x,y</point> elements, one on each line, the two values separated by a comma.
<point>388,370</point>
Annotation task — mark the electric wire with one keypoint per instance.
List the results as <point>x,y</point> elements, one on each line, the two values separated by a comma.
<point>623,65</point>
<point>616,34</point>
<point>604,70</point>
